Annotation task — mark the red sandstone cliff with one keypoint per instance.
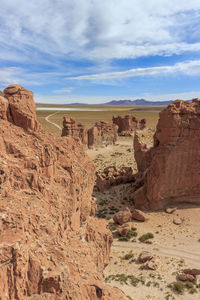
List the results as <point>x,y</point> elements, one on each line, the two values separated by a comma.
<point>50,245</point>
<point>169,172</point>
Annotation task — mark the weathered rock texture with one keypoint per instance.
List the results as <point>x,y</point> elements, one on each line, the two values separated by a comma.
<point>128,124</point>
<point>101,134</point>
<point>50,245</point>
<point>111,177</point>
<point>169,171</point>
<point>75,130</point>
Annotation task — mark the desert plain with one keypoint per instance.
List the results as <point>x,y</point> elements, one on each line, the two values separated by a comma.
<point>174,247</point>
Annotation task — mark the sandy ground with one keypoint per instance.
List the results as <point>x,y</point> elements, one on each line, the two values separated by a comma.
<point>175,247</point>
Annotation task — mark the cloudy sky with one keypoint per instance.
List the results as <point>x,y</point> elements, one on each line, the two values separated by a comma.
<point>94,51</point>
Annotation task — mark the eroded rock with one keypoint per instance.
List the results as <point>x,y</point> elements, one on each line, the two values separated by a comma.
<point>170,167</point>
<point>128,124</point>
<point>102,134</point>
<point>50,245</point>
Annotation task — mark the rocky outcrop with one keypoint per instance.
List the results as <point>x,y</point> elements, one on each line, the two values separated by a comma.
<point>111,177</point>
<point>51,247</point>
<point>128,124</point>
<point>169,171</point>
<point>102,134</point>
<point>75,130</point>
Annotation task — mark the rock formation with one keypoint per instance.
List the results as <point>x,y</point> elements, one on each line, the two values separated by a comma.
<point>71,128</point>
<point>128,124</point>
<point>101,134</point>
<point>110,177</point>
<point>169,171</point>
<point>50,245</point>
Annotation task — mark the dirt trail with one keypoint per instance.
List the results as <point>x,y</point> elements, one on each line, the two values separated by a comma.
<point>160,250</point>
<point>47,119</point>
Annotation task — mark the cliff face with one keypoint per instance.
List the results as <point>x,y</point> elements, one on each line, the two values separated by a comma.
<point>50,245</point>
<point>169,172</point>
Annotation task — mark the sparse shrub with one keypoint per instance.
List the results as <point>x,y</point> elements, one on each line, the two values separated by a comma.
<point>145,237</point>
<point>128,255</point>
<point>177,287</point>
<point>132,233</point>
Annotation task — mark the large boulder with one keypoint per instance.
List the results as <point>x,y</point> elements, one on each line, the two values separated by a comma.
<point>123,216</point>
<point>171,167</point>
<point>50,245</point>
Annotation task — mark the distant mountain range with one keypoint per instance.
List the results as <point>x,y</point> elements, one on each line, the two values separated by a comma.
<point>138,102</point>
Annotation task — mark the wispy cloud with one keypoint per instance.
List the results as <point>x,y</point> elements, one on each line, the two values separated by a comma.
<point>97,29</point>
<point>188,67</point>
<point>63,91</point>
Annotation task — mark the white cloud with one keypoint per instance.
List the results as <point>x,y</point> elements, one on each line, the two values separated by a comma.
<point>188,67</point>
<point>63,91</point>
<point>94,29</point>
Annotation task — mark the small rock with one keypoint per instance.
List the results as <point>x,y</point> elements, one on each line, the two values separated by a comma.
<point>124,229</point>
<point>178,221</point>
<point>138,215</point>
<point>152,264</point>
<point>186,277</point>
<point>170,210</point>
<point>145,256</point>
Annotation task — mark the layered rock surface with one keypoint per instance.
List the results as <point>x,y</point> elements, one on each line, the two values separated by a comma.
<point>101,134</point>
<point>50,245</point>
<point>169,171</point>
<point>128,124</point>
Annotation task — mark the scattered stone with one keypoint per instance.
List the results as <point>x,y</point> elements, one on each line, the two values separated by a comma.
<point>178,221</point>
<point>193,272</point>
<point>145,256</point>
<point>170,210</point>
<point>138,215</point>
<point>124,229</point>
<point>122,216</point>
<point>186,277</point>
<point>152,264</point>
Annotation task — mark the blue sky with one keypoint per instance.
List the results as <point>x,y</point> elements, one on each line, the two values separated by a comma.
<point>95,51</point>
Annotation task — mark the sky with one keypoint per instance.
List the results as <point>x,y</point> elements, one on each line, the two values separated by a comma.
<point>94,51</point>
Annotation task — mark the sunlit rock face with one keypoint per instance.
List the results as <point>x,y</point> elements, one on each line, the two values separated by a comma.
<point>51,247</point>
<point>128,124</point>
<point>169,172</point>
